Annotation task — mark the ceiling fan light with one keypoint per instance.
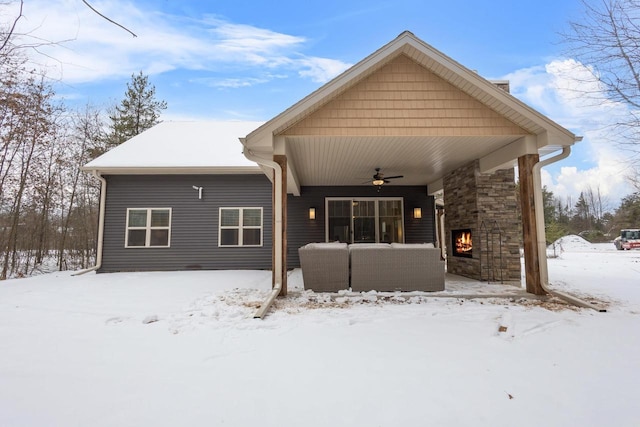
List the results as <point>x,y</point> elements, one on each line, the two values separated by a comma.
<point>378,181</point>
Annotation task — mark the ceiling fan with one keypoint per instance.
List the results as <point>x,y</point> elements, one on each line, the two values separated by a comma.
<point>379,179</point>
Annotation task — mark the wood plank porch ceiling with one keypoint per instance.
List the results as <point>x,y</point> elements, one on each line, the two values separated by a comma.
<point>351,160</point>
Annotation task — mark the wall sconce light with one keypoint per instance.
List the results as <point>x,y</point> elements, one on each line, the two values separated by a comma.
<point>417,213</point>
<point>312,213</point>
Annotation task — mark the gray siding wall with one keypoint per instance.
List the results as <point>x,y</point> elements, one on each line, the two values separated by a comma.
<point>301,230</point>
<point>194,225</point>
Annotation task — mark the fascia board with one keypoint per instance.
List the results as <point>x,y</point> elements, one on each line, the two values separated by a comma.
<point>238,170</point>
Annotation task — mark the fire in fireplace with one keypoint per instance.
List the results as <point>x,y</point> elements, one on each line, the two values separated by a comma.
<point>461,243</point>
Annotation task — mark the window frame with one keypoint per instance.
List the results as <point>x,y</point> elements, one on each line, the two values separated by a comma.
<point>240,227</point>
<point>147,228</point>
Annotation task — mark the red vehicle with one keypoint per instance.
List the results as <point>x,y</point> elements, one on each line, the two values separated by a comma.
<point>628,239</point>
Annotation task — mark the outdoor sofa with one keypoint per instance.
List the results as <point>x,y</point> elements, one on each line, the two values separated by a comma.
<point>396,267</point>
<point>331,267</point>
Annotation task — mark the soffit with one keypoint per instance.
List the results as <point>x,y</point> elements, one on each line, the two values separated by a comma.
<point>345,160</point>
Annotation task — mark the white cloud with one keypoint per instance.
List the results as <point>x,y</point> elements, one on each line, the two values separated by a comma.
<point>237,82</point>
<point>321,70</point>
<point>559,90</point>
<point>93,49</point>
<point>607,177</point>
<point>230,83</point>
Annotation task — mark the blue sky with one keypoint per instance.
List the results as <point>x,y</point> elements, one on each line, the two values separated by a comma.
<point>250,60</point>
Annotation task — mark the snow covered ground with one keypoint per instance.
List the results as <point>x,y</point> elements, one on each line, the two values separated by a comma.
<point>86,351</point>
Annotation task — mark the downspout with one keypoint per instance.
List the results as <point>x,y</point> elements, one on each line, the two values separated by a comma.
<point>277,232</point>
<point>103,199</point>
<point>442,237</point>
<point>540,229</point>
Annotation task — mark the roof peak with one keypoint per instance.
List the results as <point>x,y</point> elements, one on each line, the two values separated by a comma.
<point>406,33</point>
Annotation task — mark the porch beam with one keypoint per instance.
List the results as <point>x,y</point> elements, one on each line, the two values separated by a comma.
<point>504,157</point>
<point>294,182</point>
<point>282,161</point>
<point>435,186</point>
<point>529,227</point>
<point>281,147</point>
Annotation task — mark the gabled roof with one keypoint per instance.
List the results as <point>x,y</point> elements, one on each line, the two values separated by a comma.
<point>437,62</point>
<point>181,147</point>
<point>341,132</point>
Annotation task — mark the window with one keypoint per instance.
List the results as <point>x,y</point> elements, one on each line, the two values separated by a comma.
<point>240,227</point>
<point>148,228</point>
<point>365,220</point>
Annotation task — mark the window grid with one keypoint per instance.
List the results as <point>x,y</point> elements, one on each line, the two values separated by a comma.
<point>242,230</point>
<point>135,214</point>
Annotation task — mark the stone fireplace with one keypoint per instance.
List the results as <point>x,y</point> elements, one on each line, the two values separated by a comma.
<point>476,204</point>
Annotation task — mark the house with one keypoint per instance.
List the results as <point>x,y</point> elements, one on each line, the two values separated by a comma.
<point>182,196</point>
<point>321,172</point>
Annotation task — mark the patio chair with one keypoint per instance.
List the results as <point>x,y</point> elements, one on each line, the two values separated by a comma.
<point>325,266</point>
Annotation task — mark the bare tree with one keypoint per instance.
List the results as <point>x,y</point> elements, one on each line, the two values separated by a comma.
<point>45,173</point>
<point>599,205</point>
<point>14,40</point>
<point>33,111</point>
<point>607,42</point>
<point>9,33</point>
<point>634,178</point>
<point>47,206</point>
<point>6,35</point>
<point>80,196</point>
<point>109,19</point>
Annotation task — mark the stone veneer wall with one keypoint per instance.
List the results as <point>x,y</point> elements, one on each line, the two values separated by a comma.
<point>471,198</point>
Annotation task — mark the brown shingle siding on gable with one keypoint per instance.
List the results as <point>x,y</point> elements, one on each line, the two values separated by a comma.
<point>405,99</point>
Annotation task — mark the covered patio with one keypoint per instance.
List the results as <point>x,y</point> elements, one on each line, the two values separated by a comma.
<point>413,112</point>
<point>456,287</point>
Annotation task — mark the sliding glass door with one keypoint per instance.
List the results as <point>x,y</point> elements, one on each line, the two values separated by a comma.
<point>364,220</point>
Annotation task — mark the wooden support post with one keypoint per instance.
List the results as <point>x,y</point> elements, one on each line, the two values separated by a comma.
<point>529,228</point>
<point>282,161</point>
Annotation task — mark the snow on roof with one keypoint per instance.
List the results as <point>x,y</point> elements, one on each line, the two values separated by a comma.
<point>181,144</point>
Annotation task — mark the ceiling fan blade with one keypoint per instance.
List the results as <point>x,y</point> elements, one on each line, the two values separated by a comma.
<point>393,177</point>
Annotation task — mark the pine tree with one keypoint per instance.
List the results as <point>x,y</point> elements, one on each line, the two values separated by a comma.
<point>628,214</point>
<point>582,218</point>
<point>138,111</point>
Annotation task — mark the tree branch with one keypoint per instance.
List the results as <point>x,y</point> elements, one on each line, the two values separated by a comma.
<point>110,20</point>
<point>13,27</point>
